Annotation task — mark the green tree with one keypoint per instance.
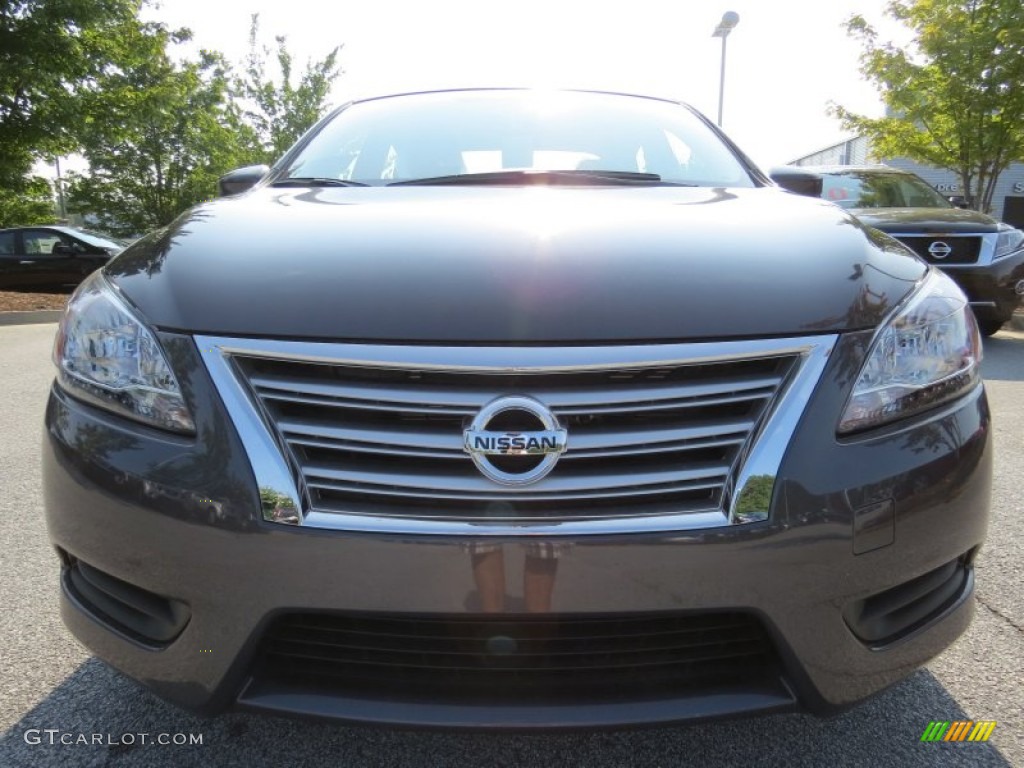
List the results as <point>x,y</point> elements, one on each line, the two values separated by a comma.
<point>756,498</point>
<point>50,53</point>
<point>160,133</point>
<point>278,110</point>
<point>954,98</point>
<point>30,203</point>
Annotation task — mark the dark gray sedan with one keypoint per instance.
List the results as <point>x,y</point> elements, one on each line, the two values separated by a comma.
<point>521,409</point>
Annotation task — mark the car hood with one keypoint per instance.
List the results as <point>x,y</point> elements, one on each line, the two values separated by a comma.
<point>515,265</point>
<point>926,220</point>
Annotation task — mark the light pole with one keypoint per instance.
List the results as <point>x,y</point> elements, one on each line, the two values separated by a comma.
<point>59,184</point>
<point>729,20</point>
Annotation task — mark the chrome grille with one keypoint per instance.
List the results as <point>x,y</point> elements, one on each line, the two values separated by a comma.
<point>643,440</point>
<point>663,437</point>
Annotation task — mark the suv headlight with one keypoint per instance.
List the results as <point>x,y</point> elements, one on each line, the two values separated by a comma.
<point>927,354</point>
<point>106,356</point>
<point>1008,241</point>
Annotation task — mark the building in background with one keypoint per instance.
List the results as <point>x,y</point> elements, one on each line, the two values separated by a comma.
<point>1007,202</point>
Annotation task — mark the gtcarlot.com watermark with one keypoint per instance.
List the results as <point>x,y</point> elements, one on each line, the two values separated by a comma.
<point>55,736</point>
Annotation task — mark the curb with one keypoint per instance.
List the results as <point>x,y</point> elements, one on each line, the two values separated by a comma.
<point>35,316</point>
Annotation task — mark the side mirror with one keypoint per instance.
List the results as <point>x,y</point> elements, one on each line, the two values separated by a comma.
<point>62,249</point>
<point>797,180</point>
<point>240,179</point>
<point>959,201</point>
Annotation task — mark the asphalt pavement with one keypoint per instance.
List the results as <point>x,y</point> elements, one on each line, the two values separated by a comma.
<point>52,691</point>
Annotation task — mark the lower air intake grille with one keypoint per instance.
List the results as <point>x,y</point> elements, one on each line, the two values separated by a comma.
<point>889,615</point>
<point>516,660</point>
<point>142,615</point>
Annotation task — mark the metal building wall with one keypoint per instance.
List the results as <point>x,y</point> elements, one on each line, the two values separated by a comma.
<point>850,152</point>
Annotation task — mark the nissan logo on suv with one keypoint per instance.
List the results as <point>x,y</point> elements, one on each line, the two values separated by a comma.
<point>939,249</point>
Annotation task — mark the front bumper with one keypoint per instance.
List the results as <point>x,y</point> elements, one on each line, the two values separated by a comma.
<point>181,518</point>
<point>991,288</point>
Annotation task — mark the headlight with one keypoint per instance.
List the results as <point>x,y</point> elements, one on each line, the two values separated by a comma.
<point>927,354</point>
<point>1009,240</point>
<point>106,356</point>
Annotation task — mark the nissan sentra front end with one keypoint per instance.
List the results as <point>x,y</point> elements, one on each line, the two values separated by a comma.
<point>638,472</point>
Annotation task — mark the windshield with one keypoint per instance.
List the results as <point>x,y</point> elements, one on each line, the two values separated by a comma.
<point>98,240</point>
<point>880,190</point>
<point>426,136</point>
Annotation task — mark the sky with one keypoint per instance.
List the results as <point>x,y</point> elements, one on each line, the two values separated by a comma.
<point>785,60</point>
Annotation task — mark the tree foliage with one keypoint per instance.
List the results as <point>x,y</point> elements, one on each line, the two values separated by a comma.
<point>89,76</point>
<point>31,203</point>
<point>51,52</point>
<point>954,99</point>
<point>158,136</point>
<point>280,112</point>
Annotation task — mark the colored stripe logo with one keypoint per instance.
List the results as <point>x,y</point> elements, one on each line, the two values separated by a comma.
<point>958,730</point>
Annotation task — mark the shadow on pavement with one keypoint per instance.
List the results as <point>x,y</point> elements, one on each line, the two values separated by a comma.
<point>885,730</point>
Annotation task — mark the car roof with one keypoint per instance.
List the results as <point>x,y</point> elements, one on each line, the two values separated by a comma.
<point>511,89</point>
<point>79,234</point>
<point>839,170</point>
<point>58,227</point>
<point>66,230</point>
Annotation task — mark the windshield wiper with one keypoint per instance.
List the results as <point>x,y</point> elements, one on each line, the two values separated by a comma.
<point>526,177</point>
<point>316,181</point>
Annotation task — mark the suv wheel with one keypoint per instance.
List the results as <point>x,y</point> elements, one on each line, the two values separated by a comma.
<point>989,324</point>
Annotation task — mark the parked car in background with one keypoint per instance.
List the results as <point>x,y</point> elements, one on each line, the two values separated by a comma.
<point>983,255</point>
<point>52,255</point>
